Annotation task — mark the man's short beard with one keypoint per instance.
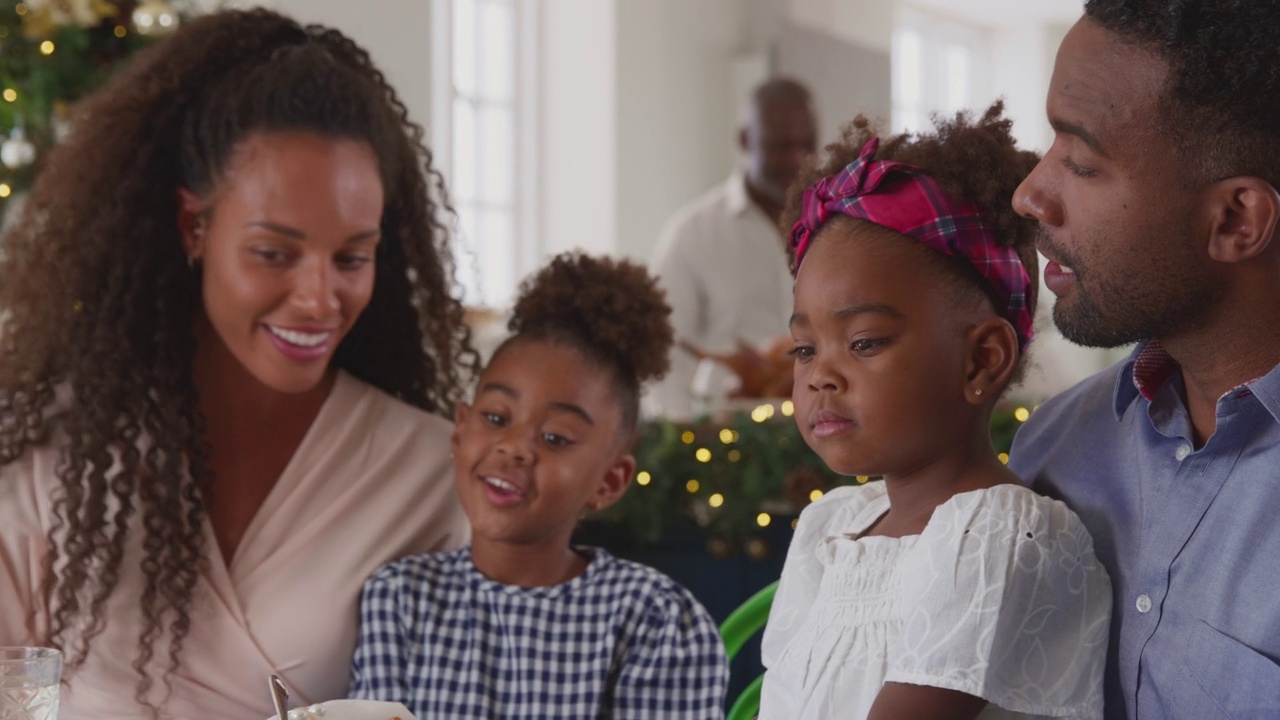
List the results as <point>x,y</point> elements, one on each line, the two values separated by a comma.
<point>1149,315</point>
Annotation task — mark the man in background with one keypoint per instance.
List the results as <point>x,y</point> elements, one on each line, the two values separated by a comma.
<point>722,259</point>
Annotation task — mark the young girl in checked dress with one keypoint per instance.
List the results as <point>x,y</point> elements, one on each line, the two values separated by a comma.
<point>948,590</point>
<point>521,624</point>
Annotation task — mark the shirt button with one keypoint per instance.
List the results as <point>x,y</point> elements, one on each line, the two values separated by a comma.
<point>1182,452</point>
<point>1144,603</point>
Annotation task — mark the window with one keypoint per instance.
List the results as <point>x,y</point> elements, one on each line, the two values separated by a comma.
<point>481,75</point>
<point>938,66</point>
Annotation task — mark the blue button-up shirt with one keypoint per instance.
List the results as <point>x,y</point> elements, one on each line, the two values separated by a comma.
<point>1190,537</point>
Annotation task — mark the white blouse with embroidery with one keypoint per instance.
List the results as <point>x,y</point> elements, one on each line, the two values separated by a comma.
<point>1000,597</point>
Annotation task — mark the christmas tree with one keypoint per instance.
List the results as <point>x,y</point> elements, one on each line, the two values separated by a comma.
<point>52,53</point>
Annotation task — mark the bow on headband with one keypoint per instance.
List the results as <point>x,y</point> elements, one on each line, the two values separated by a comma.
<point>902,198</point>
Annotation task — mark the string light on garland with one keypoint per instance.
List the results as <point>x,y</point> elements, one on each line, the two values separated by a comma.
<point>5,190</point>
<point>154,18</point>
<point>55,52</point>
<point>758,548</point>
<point>767,469</point>
<point>788,408</point>
<point>1022,414</point>
<point>763,519</point>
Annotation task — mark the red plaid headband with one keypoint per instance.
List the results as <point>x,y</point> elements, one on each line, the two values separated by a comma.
<point>902,198</point>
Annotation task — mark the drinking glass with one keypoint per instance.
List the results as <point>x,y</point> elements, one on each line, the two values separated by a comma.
<point>29,678</point>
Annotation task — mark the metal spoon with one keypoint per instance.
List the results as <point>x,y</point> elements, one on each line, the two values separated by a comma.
<point>279,696</point>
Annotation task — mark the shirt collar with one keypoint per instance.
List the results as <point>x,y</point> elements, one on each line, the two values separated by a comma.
<point>735,195</point>
<point>1150,366</point>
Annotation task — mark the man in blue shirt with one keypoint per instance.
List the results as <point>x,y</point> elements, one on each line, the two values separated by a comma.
<point>1158,210</point>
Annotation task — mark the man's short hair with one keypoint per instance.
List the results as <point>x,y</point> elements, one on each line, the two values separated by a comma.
<point>1221,104</point>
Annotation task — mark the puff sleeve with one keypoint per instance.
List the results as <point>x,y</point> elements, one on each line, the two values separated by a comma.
<point>1005,600</point>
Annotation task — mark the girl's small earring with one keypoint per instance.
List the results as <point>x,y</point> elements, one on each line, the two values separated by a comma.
<point>977,391</point>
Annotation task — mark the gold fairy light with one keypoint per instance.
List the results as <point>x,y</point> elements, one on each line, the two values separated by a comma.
<point>692,486</point>
<point>815,495</point>
<point>716,500</point>
<point>763,519</point>
<point>703,455</point>
<point>47,47</point>
<point>643,478</point>
<point>1022,414</point>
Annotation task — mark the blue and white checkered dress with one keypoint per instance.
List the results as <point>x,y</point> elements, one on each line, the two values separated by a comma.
<point>621,640</point>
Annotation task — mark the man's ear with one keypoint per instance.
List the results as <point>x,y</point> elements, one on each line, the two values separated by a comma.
<point>614,484</point>
<point>191,223</point>
<point>992,356</point>
<point>1245,212</point>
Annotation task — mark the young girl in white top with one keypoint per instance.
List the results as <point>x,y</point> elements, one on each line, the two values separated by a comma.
<point>948,590</point>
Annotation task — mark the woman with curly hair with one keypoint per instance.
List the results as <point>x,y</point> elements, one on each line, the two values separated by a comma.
<point>946,590</point>
<point>521,623</point>
<point>230,327</point>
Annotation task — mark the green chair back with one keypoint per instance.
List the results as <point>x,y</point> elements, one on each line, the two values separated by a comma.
<point>742,623</point>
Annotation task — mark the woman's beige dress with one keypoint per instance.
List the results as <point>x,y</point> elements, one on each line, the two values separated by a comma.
<point>371,481</point>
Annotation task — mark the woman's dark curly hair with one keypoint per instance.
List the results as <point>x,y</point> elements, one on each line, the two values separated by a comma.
<point>612,311</point>
<point>1223,93</point>
<point>977,161</point>
<point>98,299</point>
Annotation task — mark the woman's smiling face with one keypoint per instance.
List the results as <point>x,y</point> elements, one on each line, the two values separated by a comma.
<point>287,250</point>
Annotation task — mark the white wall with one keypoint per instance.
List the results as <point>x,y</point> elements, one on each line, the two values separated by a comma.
<point>865,23</point>
<point>395,32</point>
<point>678,107</point>
<point>578,150</point>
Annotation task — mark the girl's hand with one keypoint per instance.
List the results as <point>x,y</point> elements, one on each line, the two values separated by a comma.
<point>899,701</point>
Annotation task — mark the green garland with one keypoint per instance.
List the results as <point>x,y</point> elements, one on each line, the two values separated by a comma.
<point>737,476</point>
<point>53,53</point>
